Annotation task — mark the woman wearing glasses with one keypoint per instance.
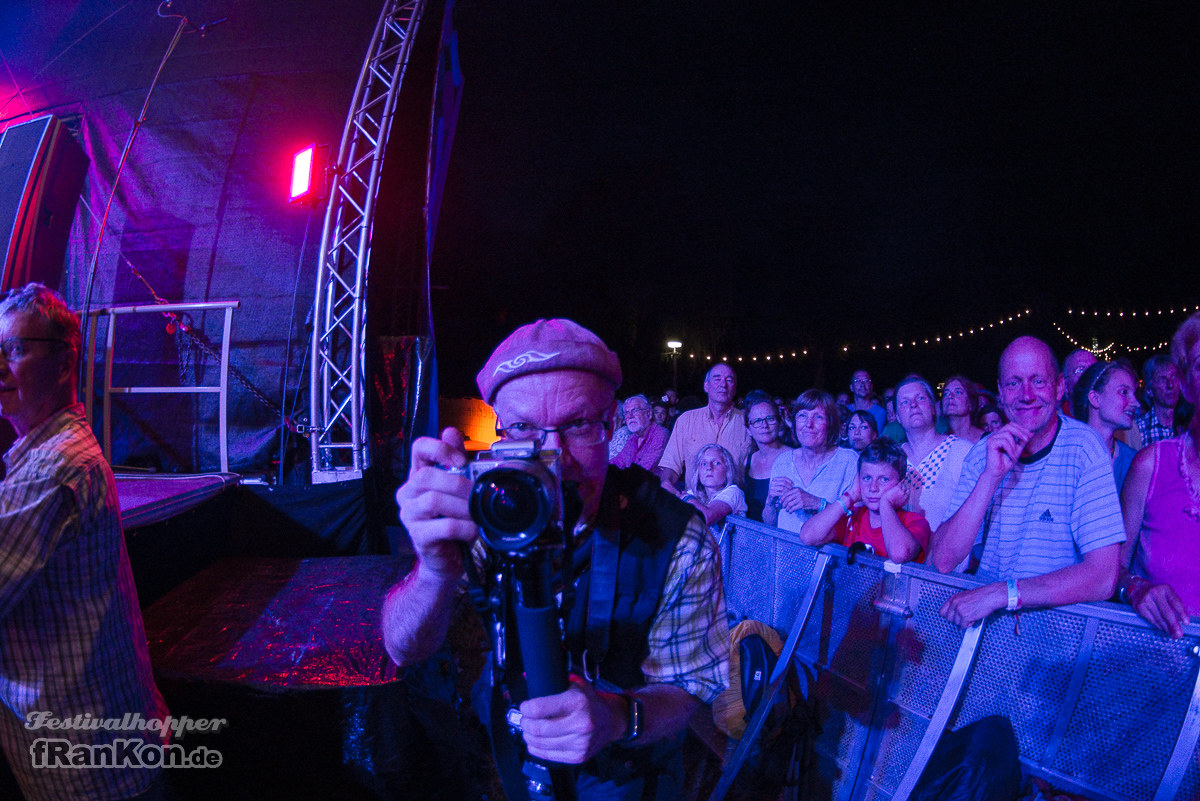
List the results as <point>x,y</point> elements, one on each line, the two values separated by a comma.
<point>766,431</point>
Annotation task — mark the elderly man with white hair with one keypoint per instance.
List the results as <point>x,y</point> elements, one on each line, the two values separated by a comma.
<point>647,439</point>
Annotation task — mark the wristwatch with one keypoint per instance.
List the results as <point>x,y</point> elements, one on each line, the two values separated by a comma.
<point>635,724</point>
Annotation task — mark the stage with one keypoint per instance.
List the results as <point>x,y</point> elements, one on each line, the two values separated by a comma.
<point>148,498</point>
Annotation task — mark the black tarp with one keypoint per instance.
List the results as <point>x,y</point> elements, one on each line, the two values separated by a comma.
<point>200,211</point>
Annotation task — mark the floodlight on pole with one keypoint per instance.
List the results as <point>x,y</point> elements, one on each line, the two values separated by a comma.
<point>674,345</point>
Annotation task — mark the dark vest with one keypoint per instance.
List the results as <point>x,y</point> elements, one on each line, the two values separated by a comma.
<point>638,526</point>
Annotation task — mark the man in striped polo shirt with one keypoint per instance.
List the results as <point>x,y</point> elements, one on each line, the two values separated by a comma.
<point>1036,502</point>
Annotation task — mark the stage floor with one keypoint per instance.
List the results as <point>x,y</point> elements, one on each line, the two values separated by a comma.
<point>147,498</point>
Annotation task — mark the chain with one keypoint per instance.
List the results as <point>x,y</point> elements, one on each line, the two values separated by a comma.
<point>182,328</point>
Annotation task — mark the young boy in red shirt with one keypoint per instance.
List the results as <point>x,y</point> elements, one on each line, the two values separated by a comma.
<point>880,521</point>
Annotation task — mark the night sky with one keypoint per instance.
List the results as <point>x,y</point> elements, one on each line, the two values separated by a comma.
<point>766,177</point>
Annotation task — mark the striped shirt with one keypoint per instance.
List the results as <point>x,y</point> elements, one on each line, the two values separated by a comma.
<point>1047,513</point>
<point>71,635</point>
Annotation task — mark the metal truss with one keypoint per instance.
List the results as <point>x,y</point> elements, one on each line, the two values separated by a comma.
<point>339,437</point>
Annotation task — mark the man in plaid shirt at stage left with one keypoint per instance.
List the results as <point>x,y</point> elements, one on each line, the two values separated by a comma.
<point>71,636</point>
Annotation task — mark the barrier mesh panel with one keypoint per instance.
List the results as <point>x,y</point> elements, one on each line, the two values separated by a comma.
<point>1024,676</point>
<point>842,709</point>
<point>1189,788</point>
<point>794,564</point>
<point>1108,719</point>
<point>902,735</point>
<point>748,572</point>
<point>766,576</point>
<point>853,646</point>
<point>875,794</point>
<point>926,650</point>
<point>1136,690</point>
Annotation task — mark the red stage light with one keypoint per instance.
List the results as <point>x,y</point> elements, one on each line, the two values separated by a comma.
<point>302,177</point>
<point>308,175</point>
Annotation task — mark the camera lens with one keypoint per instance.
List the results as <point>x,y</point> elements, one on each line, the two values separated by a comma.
<point>511,506</point>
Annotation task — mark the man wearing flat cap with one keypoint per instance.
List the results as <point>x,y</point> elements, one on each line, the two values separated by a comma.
<point>654,573</point>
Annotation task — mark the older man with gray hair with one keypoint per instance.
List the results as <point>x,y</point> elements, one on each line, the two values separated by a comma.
<point>718,421</point>
<point>71,633</point>
<point>647,439</point>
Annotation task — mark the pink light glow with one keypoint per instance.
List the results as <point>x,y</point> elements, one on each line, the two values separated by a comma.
<point>302,164</point>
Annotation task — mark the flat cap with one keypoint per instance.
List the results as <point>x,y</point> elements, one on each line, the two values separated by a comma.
<point>543,347</point>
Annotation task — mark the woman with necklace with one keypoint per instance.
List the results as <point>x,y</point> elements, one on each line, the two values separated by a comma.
<point>934,460</point>
<point>1161,506</point>
<point>814,474</point>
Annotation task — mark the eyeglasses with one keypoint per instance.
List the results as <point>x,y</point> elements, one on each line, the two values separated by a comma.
<point>577,432</point>
<point>764,422</point>
<point>13,349</point>
<point>638,410</point>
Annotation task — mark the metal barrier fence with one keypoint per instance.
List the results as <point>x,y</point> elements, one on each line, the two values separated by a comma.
<point>1102,705</point>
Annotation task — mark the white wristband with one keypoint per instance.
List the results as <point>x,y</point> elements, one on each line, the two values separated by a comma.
<point>1014,596</point>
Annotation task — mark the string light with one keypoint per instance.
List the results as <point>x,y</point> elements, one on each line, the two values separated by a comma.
<point>1112,346</point>
<point>937,338</point>
<point>1133,313</point>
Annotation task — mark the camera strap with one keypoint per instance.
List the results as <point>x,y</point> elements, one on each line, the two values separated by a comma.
<point>602,594</point>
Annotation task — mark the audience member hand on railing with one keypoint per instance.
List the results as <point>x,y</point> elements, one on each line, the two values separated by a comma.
<point>1161,508</point>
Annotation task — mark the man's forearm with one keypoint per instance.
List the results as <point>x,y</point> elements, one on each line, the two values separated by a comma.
<point>1093,579</point>
<point>416,615</point>
<point>954,538</point>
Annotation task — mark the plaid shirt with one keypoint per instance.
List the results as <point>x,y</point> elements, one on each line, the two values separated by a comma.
<point>689,638</point>
<point>71,634</point>
<point>1151,430</point>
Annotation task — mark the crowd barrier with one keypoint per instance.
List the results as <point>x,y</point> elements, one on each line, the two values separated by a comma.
<point>1102,705</point>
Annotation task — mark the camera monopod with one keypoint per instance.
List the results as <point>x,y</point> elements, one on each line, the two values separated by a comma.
<point>545,662</point>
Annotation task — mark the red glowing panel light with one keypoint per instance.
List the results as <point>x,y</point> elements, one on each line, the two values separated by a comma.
<point>302,173</point>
